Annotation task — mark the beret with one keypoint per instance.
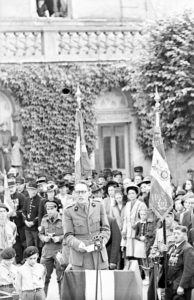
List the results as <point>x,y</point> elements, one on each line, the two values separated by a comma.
<point>8,253</point>
<point>146,180</point>
<point>29,251</point>
<point>20,180</point>
<point>49,203</point>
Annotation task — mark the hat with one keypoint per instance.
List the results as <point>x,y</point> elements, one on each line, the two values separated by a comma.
<point>117,172</point>
<point>61,183</point>
<point>96,188</point>
<point>29,251</point>
<point>180,192</point>
<point>146,180</point>
<point>11,182</point>
<point>41,178</point>
<point>2,205</point>
<point>14,138</point>
<point>11,175</point>
<point>133,187</point>
<point>190,171</point>
<point>51,187</point>
<point>138,169</point>
<point>32,185</point>
<point>52,203</point>
<point>8,253</point>
<point>111,183</point>
<point>20,180</point>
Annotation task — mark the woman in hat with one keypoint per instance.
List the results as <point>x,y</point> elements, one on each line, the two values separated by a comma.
<point>131,216</point>
<point>8,272</point>
<point>31,276</point>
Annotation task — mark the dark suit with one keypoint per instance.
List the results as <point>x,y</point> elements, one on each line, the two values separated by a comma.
<point>113,245</point>
<point>30,213</point>
<point>180,271</point>
<point>187,221</point>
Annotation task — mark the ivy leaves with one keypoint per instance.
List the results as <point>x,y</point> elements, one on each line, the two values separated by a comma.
<point>166,61</point>
<point>48,116</point>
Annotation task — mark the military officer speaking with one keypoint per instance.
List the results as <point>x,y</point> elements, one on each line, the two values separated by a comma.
<point>85,220</point>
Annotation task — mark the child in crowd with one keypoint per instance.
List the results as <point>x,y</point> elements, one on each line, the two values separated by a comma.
<point>31,276</point>
<point>8,272</point>
<point>144,239</point>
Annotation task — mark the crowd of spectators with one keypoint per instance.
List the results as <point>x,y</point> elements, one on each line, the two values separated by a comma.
<point>32,220</point>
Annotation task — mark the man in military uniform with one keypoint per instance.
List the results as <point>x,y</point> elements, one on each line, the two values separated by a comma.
<point>180,275</point>
<point>30,214</point>
<point>84,221</point>
<point>51,234</point>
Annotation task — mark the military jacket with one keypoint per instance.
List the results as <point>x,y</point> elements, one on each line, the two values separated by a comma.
<point>30,211</point>
<point>51,228</point>
<point>181,265</point>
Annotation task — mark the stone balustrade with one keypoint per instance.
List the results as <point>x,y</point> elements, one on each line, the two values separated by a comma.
<point>56,40</point>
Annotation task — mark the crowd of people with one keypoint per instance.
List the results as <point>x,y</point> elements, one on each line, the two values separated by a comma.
<point>47,224</point>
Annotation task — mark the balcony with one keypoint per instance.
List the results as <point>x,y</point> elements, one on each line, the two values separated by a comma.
<point>64,40</point>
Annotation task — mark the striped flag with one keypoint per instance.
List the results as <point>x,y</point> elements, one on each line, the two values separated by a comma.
<point>81,285</point>
<point>82,163</point>
<point>161,191</point>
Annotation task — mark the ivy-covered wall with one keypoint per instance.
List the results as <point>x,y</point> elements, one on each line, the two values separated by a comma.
<point>48,116</point>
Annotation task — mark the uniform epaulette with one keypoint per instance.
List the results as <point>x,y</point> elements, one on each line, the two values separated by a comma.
<point>70,205</point>
<point>96,200</point>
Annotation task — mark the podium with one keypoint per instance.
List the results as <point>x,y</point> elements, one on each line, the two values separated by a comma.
<point>118,285</point>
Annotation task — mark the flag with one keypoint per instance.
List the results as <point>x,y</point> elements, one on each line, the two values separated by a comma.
<point>112,285</point>
<point>161,191</point>
<point>82,163</point>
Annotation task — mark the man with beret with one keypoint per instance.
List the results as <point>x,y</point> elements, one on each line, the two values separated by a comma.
<point>190,174</point>
<point>16,202</point>
<point>84,222</point>
<point>51,234</point>
<point>8,272</point>
<point>8,229</point>
<point>30,214</point>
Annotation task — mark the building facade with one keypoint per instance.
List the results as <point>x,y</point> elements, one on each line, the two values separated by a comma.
<point>91,32</point>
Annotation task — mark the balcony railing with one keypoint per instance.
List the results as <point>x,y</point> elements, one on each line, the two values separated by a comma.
<point>51,40</point>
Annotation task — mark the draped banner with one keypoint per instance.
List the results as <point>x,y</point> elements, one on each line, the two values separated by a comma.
<point>161,191</point>
<point>82,163</point>
<point>118,285</point>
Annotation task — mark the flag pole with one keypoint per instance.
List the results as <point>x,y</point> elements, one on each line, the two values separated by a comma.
<point>158,131</point>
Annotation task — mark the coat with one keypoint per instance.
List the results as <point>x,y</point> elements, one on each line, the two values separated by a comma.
<point>181,266</point>
<point>130,219</point>
<point>82,225</point>
<point>113,245</point>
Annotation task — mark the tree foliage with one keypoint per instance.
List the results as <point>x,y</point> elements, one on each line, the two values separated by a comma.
<point>48,116</point>
<point>166,60</point>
